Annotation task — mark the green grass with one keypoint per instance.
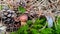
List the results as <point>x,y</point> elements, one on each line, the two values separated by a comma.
<point>21,9</point>
<point>0,7</point>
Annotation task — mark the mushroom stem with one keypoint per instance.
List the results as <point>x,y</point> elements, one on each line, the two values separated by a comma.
<point>23,23</point>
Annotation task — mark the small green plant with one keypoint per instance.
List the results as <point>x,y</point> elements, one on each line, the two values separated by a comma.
<point>46,31</point>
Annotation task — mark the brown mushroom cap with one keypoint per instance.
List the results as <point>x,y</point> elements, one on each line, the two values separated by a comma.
<point>23,18</point>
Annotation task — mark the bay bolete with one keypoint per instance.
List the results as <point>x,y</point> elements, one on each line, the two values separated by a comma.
<point>23,18</point>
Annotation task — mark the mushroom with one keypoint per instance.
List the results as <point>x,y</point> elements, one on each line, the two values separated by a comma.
<point>23,18</point>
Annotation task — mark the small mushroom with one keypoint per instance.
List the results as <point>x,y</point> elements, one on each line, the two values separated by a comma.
<point>23,18</point>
